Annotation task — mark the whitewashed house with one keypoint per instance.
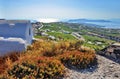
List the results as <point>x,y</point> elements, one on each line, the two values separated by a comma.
<point>15,35</point>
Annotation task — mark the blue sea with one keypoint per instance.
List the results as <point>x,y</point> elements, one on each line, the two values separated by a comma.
<point>113,25</point>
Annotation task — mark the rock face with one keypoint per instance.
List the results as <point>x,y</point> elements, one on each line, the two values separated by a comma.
<point>117,52</point>
<point>106,69</point>
<point>112,51</point>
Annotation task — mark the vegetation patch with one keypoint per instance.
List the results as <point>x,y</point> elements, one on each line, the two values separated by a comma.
<point>62,36</point>
<point>47,60</point>
<point>96,42</point>
<point>78,60</point>
<point>42,67</point>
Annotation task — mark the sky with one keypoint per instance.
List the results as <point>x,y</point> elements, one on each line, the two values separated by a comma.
<point>59,9</point>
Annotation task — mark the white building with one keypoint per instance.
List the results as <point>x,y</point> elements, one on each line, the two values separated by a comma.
<point>15,35</point>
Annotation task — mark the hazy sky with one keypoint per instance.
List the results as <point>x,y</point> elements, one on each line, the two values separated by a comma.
<point>61,9</point>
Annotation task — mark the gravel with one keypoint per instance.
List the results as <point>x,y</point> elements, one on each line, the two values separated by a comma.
<point>106,69</point>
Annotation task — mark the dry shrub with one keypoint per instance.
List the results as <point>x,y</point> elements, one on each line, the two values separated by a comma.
<point>2,65</point>
<point>78,44</point>
<point>3,68</point>
<point>86,49</point>
<point>42,67</point>
<point>7,60</point>
<point>57,48</point>
<point>77,59</point>
<point>53,50</point>
<point>14,56</point>
<point>50,68</point>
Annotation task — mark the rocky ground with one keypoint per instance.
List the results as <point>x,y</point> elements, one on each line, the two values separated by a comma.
<point>106,69</point>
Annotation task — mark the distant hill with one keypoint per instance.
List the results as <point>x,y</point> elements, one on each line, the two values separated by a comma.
<point>115,20</point>
<point>86,20</point>
<point>111,23</point>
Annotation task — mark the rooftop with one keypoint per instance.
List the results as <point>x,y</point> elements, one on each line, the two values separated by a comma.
<point>2,21</point>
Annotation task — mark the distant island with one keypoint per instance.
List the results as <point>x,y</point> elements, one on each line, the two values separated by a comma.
<point>86,20</point>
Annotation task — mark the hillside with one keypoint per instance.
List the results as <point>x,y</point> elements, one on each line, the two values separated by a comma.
<point>64,31</point>
<point>47,59</point>
<point>59,53</point>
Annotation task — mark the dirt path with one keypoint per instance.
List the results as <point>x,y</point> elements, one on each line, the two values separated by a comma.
<point>107,69</point>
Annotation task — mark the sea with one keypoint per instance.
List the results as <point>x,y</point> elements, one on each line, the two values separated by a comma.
<point>112,25</point>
